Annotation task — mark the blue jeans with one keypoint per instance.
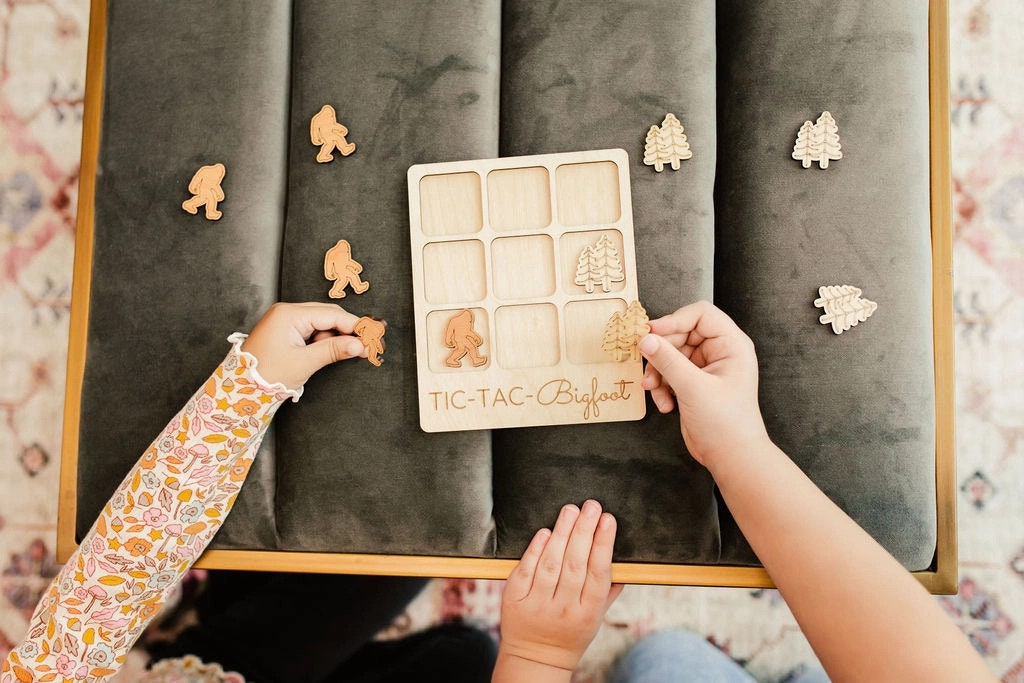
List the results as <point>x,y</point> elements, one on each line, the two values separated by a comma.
<point>684,657</point>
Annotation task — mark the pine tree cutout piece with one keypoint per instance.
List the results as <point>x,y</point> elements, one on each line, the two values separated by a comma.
<point>623,332</point>
<point>675,140</point>
<point>666,145</point>
<point>818,141</point>
<point>614,332</point>
<point>655,153</point>
<point>599,264</point>
<point>843,306</point>
<point>808,145</point>
<point>829,131</point>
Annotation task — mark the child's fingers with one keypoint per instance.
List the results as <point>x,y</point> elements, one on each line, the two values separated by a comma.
<point>660,390</point>
<point>703,317</point>
<point>520,580</point>
<point>331,350</point>
<point>322,334</point>
<point>675,368</point>
<point>599,565</point>
<point>316,317</point>
<point>546,578</point>
<point>577,553</point>
<point>678,339</point>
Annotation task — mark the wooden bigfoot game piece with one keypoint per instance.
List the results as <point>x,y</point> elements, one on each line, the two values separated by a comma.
<point>371,334</point>
<point>462,339</point>
<point>324,130</point>
<point>343,270</point>
<point>205,188</point>
<point>843,307</point>
<point>624,331</point>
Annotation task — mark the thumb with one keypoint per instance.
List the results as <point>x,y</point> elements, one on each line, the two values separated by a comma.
<point>331,350</point>
<point>675,368</point>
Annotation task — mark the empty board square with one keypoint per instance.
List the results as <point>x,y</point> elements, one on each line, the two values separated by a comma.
<point>585,323</point>
<point>523,267</point>
<point>457,342</point>
<point>592,262</point>
<point>451,204</point>
<point>519,198</point>
<point>454,272</point>
<point>588,194</point>
<point>526,336</point>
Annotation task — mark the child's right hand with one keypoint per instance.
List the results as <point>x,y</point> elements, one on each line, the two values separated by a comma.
<point>701,361</point>
<point>293,341</point>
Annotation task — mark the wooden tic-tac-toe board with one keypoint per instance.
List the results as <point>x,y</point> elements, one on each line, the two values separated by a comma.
<point>503,238</point>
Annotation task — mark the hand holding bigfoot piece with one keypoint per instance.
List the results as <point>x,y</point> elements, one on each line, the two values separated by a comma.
<point>371,333</point>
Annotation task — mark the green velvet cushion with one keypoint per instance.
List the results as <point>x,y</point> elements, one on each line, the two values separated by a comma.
<point>348,468</point>
<point>855,411</point>
<point>414,83</point>
<point>180,94</point>
<point>574,78</point>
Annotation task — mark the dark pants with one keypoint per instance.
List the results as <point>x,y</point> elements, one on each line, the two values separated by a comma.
<point>305,628</point>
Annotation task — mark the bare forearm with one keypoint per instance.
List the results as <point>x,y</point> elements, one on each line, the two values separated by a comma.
<point>864,614</point>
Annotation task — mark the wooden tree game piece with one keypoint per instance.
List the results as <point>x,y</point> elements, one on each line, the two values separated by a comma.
<point>205,188</point>
<point>599,263</point>
<point>324,130</point>
<point>807,149</point>
<point>463,340</point>
<point>343,270</point>
<point>843,306</point>
<point>623,332</point>
<point>818,141</point>
<point>371,334</point>
<point>666,144</point>
<point>654,152</point>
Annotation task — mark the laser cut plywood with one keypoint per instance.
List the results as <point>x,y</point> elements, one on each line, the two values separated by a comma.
<point>371,334</point>
<point>502,238</point>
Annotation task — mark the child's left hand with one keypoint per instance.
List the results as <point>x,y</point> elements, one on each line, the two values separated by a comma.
<point>293,341</point>
<point>556,598</point>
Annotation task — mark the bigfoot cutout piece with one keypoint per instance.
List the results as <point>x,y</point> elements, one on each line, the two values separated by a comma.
<point>340,267</point>
<point>324,130</point>
<point>371,334</point>
<point>205,188</point>
<point>462,339</point>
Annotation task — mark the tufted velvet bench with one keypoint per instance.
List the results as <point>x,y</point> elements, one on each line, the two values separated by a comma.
<point>346,480</point>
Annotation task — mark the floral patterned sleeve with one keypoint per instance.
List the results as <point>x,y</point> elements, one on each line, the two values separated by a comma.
<point>159,520</point>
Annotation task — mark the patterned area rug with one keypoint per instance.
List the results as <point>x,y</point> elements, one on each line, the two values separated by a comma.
<point>42,62</point>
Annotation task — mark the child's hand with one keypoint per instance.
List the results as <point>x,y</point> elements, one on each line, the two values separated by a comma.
<point>699,359</point>
<point>556,596</point>
<point>293,341</point>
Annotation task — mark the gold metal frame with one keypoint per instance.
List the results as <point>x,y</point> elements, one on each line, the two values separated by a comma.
<point>940,578</point>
